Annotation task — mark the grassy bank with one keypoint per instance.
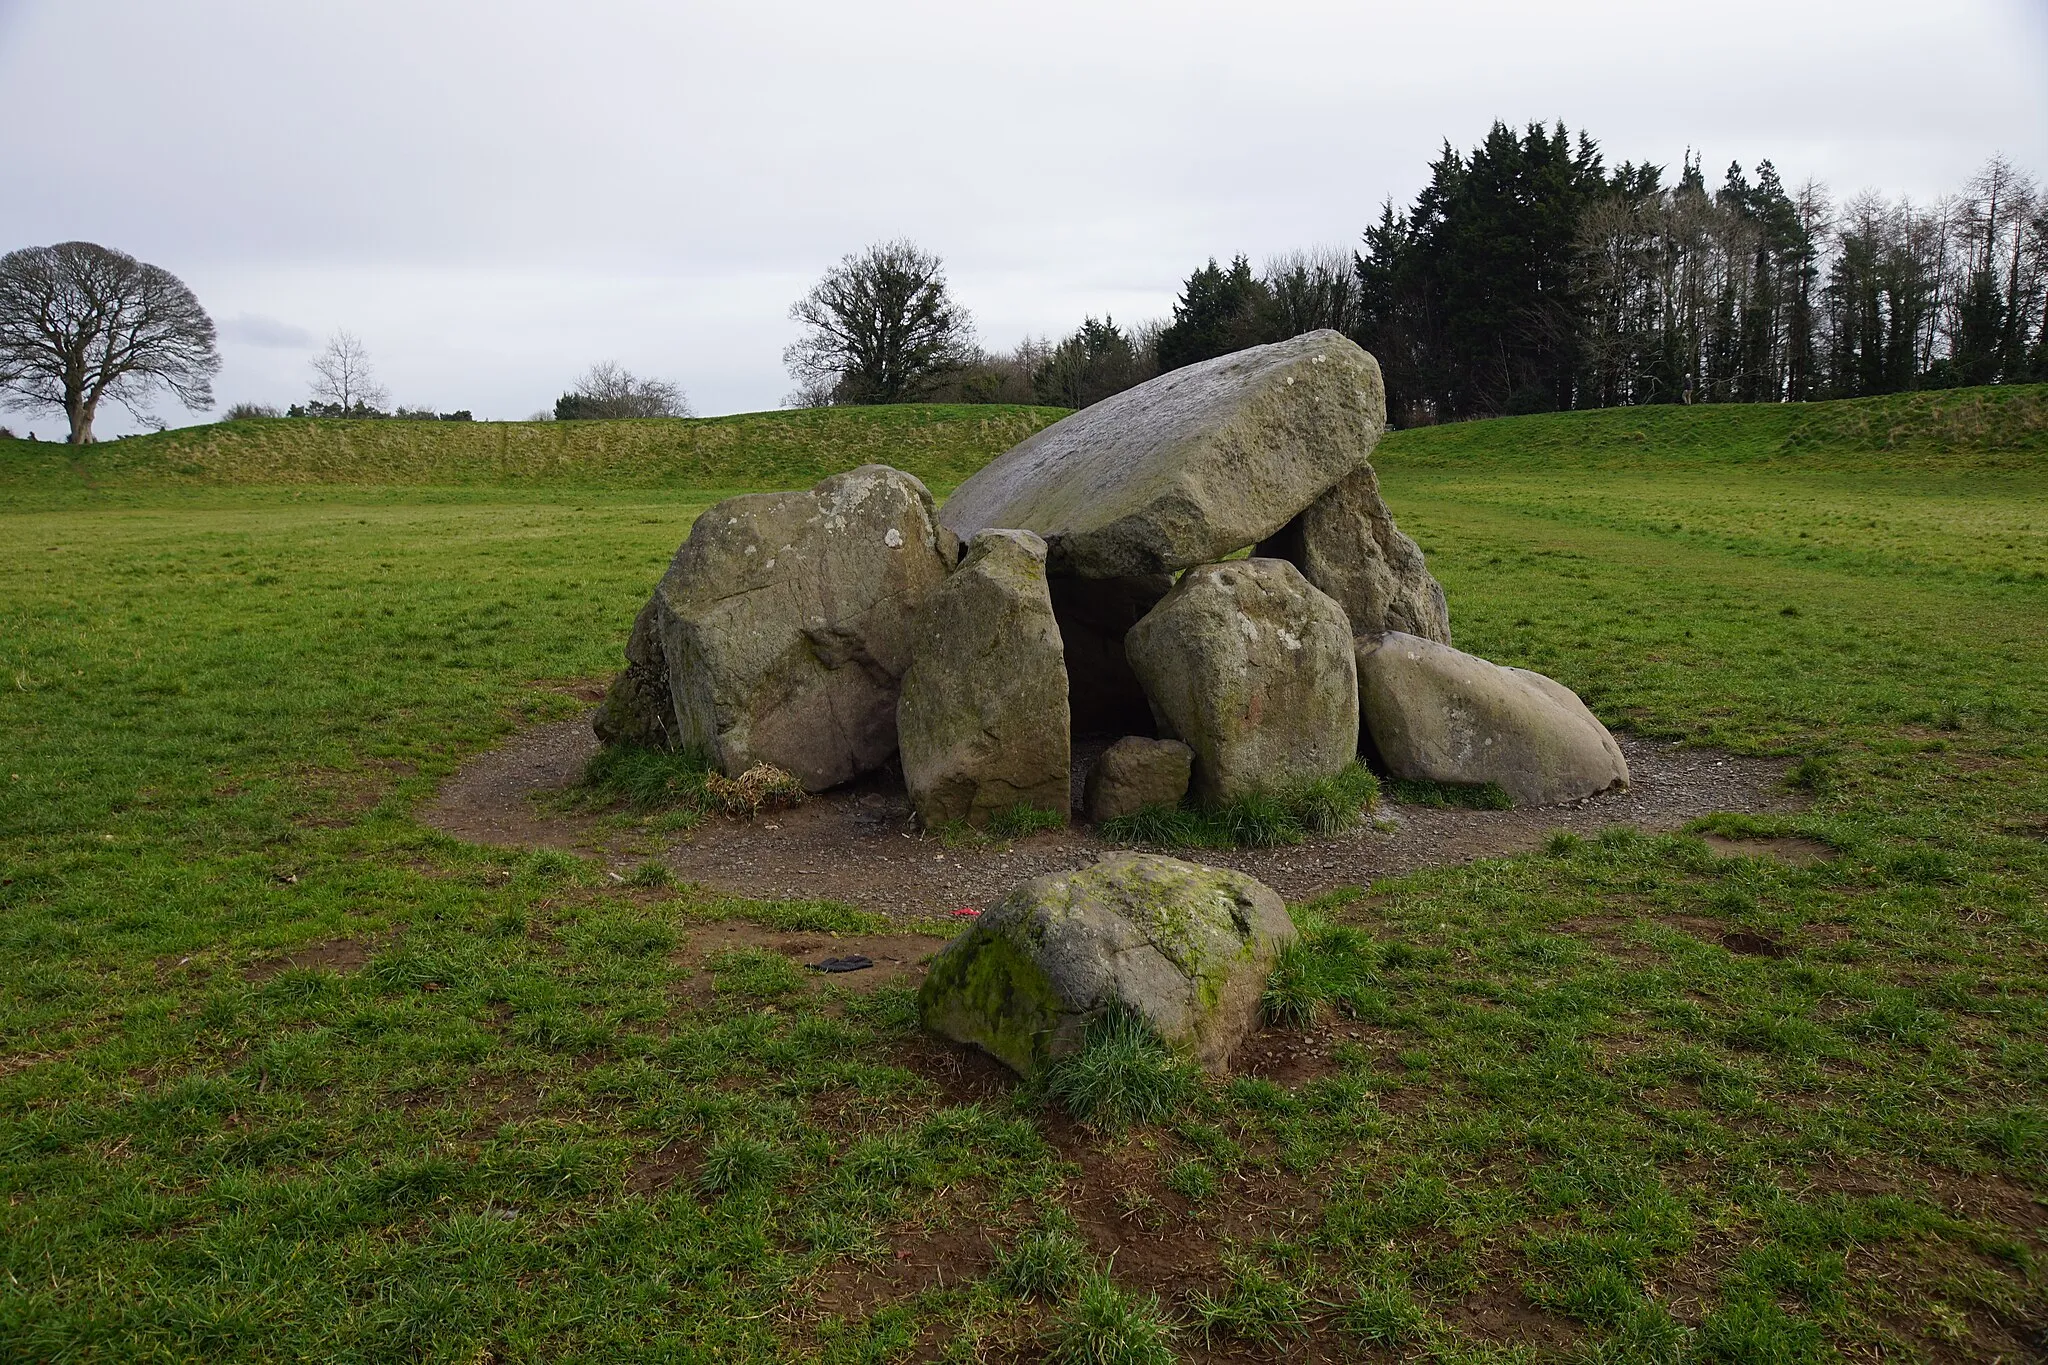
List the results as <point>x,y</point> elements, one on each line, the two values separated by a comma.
<point>940,444</point>
<point>284,1074</point>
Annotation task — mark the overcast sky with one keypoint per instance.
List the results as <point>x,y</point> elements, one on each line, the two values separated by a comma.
<point>494,195</point>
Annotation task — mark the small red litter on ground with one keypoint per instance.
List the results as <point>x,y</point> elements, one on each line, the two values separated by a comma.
<point>966,912</point>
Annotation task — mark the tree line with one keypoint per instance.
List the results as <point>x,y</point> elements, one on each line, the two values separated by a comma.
<point>1527,276</point>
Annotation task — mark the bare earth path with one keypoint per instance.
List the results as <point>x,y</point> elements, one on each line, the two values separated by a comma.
<point>858,845</point>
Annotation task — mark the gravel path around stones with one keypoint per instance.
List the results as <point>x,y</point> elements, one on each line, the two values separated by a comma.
<point>857,844</point>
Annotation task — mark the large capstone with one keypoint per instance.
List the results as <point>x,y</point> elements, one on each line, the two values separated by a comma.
<point>1136,772</point>
<point>983,716</point>
<point>1095,614</point>
<point>1188,948</point>
<point>1189,467</point>
<point>782,628</point>
<point>1439,715</point>
<point>1253,669</point>
<point>1346,543</point>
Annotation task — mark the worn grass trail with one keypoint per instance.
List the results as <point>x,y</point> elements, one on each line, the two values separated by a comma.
<point>284,1075</point>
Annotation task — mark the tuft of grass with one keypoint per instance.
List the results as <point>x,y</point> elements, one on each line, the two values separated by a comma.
<point>1410,791</point>
<point>1158,826</point>
<point>650,875</point>
<point>1329,965</point>
<point>1294,995</point>
<point>754,974</point>
<point>1384,1315</point>
<point>1122,1075</point>
<point>1334,805</point>
<point>1105,1325</point>
<point>1258,819</point>
<point>1024,819</point>
<point>1258,1305</point>
<point>1193,1181</point>
<point>1019,821</point>
<point>738,1165</point>
<point>649,779</point>
<point>1043,1263</point>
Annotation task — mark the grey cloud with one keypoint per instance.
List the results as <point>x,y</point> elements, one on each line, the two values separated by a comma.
<point>493,206</point>
<point>253,329</point>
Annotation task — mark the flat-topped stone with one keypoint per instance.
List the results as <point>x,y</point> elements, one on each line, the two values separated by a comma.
<point>1187,468</point>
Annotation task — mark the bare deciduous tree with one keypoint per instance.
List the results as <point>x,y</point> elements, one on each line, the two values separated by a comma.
<point>1312,289</point>
<point>343,383</point>
<point>81,323</point>
<point>883,329</point>
<point>609,389</point>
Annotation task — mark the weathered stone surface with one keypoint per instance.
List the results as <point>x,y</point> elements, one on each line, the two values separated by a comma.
<point>982,720</point>
<point>1253,669</point>
<point>1187,947</point>
<point>1094,615</point>
<point>1436,714</point>
<point>783,626</point>
<point>1136,772</point>
<point>1189,467</point>
<point>637,708</point>
<point>1346,543</point>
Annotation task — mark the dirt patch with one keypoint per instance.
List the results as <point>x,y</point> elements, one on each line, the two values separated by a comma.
<point>490,801</point>
<point>342,797</point>
<point>858,844</point>
<point>1292,1057</point>
<point>1793,851</point>
<point>655,1172</point>
<point>335,955</point>
<point>896,958</point>
<point>1753,945</point>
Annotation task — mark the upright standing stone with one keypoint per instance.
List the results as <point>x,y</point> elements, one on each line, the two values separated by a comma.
<point>1253,669</point>
<point>1189,467</point>
<point>1346,543</point>
<point>983,716</point>
<point>782,627</point>
<point>1442,716</point>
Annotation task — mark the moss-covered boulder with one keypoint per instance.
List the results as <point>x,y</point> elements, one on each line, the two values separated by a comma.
<point>1252,668</point>
<point>982,721</point>
<point>1186,947</point>
<point>1443,716</point>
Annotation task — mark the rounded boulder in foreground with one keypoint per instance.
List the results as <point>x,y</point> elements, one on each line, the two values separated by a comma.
<point>1186,947</point>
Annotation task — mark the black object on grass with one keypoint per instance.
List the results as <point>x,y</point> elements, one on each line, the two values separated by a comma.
<point>855,963</point>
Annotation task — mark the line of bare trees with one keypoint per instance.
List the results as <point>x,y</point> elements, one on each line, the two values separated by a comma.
<point>1753,294</point>
<point>1528,277</point>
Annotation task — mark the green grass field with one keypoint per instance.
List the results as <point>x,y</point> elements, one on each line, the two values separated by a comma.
<point>501,1107</point>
